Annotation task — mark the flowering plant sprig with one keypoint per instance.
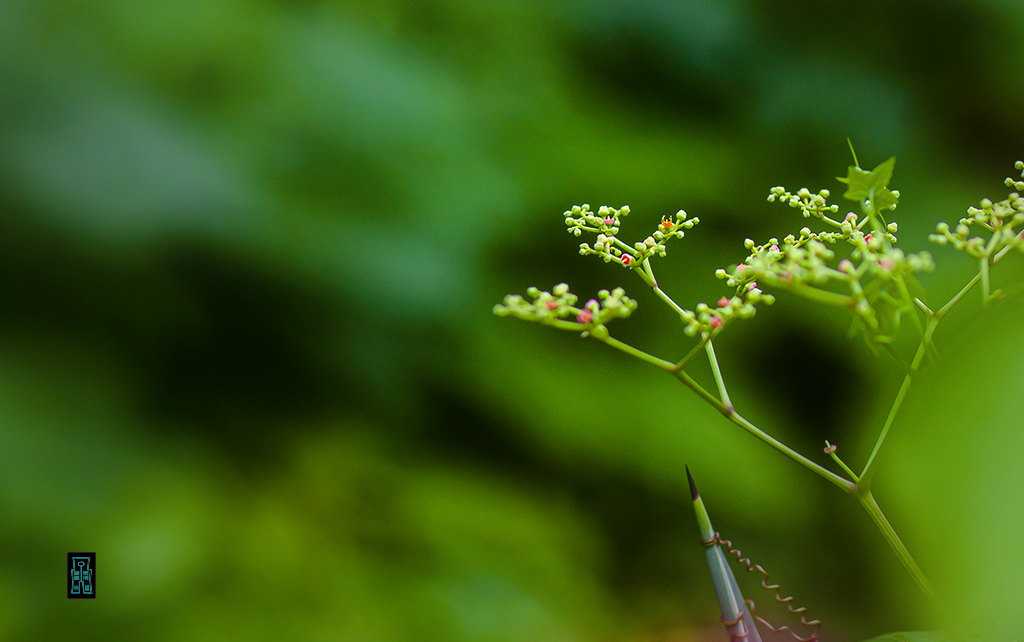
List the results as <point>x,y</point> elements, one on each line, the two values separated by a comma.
<point>877,276</point>
<point>606,225</point>
<point>854,263</point>
<point>704,320</point>
<point>1001,220</point>
<point>557,307</point>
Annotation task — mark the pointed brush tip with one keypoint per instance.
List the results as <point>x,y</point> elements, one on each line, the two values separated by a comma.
<point>693,487</point>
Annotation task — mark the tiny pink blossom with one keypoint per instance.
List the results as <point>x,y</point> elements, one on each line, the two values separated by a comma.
<point>723,302</point>
<point>585,316</point>
<point>716,322</point>
<point>885,263</point>
<point>626,259</point>
<point>741,267</point>
<point>609,221</point>
<point>551,305</point>
<point>774,248</point>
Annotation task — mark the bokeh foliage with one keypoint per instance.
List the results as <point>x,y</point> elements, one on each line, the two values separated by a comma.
<point>248,252</point>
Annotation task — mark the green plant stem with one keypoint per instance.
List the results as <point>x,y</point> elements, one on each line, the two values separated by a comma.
<point>730,413</point>
<point>831,450</point>
<point>817,294</point>
<point>909,302</point>
<point>1001,253</point>
<point>636,352</point>
<point>897,358</point>
<point>859,487</point>
<point>682,363</point>
<point>645,272</point>
<point>740,421</point>
<point>722,392</point>
<point>667,299</point>
<point>864,484</point>
<point>867,500</point>
<point>869,467</point>
<point>956,298</point>
<point>983,264</point>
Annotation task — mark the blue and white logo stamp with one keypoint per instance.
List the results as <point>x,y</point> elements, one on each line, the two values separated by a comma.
<point>81,570</point>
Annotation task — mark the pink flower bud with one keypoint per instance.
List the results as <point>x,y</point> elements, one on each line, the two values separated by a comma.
<point>716,322</point>
<point>626,259</point>
<point>885,263</point>
<point>846,265</point>
<point>742,267</point>
<point>609,221</point>
<point>551,305</point>
<point>774,248</point>
<point>868,238</point>
<point>585,316</point>
<point>723,302</point>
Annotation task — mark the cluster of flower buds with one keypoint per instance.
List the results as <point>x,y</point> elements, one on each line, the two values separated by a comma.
<point>808,203</point>
<point>558,308</point>
<point>1002,220</point>
<point>706,320</point>
<point>605,223</point>
<point>806,264</point>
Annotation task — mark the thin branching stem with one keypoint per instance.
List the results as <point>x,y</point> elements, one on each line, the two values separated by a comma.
<point>831,450</point>
<point>869,503</point>
<point>636,352</point>
<point>729,412</point>
<point>869,468</point>
<point>742,422</point>
<point>667,299</point>
<point>717,370</point>
<point>985,287</point>
<point>685,361</point>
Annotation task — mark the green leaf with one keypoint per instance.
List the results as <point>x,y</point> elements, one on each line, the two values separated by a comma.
<point>862,184</point>
<point>885,199</point>
<point>857,183</point>
<point>881,175</point>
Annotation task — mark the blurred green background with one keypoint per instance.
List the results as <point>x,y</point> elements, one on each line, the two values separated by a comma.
<point>248,254</point>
